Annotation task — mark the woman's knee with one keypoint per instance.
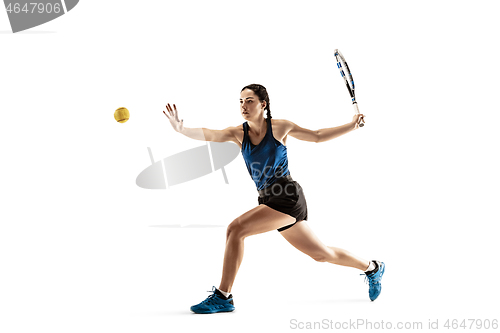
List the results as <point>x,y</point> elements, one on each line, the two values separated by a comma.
<point>325,255</point>
<point>235,229</point>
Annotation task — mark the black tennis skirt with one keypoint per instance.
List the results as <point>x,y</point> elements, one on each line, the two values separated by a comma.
<point>286,196</point>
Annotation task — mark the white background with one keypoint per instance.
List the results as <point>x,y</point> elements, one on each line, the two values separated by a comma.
<point>83,249</point>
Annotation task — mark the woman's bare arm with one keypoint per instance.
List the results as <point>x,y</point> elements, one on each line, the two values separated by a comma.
<point>203,134</point>
<point>324,134</point>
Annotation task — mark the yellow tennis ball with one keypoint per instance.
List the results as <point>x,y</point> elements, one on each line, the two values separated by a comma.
<point>122,115</point>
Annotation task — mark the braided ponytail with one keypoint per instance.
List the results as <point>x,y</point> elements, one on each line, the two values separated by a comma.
<point>261,92</point>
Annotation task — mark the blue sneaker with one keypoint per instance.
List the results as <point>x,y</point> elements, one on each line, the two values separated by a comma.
<point>374,278</point>
<point>216,302</point>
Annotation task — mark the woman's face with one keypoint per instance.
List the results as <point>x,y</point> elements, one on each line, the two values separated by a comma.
<point>250,106</point>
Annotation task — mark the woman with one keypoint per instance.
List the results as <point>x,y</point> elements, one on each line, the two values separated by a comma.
<point>282,204</point>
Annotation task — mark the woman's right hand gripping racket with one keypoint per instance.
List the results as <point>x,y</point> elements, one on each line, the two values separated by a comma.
<point>349,82</point>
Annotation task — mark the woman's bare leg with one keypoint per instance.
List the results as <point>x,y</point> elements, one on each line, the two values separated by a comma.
<point>257,220</point>
<point>303,238</point>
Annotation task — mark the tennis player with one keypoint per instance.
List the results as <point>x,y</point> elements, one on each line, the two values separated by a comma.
<point>282,204</point>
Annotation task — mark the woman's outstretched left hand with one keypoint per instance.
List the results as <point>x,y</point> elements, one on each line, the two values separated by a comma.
<point>173,116</point>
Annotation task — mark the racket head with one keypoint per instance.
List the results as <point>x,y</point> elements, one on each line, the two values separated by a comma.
<point>346,73</point>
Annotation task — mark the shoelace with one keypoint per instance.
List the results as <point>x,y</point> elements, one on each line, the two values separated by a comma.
<point>368,280</point>
<point>210,299</point>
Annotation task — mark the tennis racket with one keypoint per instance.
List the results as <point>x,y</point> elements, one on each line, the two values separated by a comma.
<point>349,81</point>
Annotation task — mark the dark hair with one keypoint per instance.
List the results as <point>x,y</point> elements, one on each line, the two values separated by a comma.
<point>261,92</point>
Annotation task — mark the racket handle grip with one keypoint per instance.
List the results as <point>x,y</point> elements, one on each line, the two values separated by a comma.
<point>356,109</point>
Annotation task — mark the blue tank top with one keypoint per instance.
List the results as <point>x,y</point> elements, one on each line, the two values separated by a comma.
<point>267,161</point>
